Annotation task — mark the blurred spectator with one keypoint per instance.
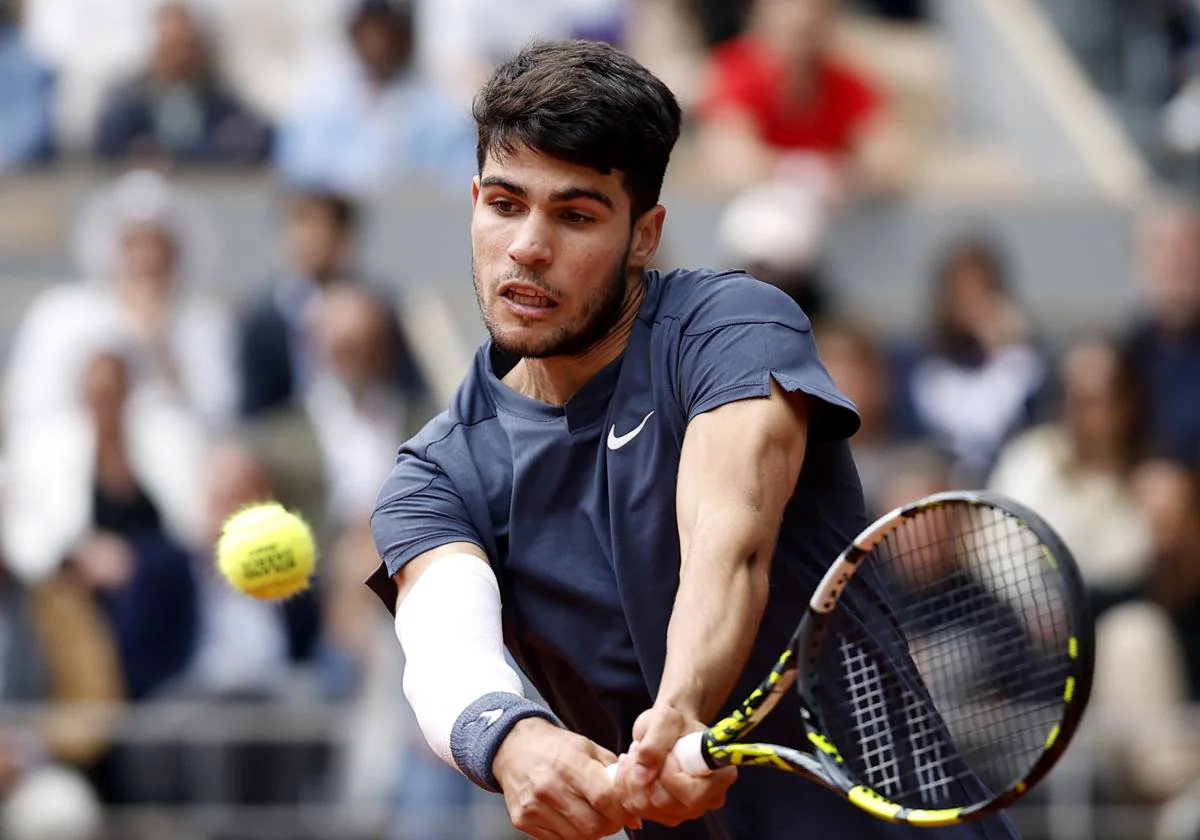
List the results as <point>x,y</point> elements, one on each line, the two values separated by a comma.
<point>122,460</point>
<point>177,108</point>
<point>978,379</point>
<point>776,232</point>
<point>92,45</point>
<point>140,246</point>
<point>247,648</point>
<point>1148,651</point>
<point>1169,496</point>
<point>260,44</point>
<point>26,96</point>
<point>249,651</point>
<point>372,117</point>
<point>1076,471</point>
<point>859,367</point>
<point>1166,344</point>
<point>460,41</point>
<point>110,490</point>
<point>359,413</point>
<point>781,105</point>
<point>127,555</point>
<point>55,647</point>
<point>279,353</point>
<point>1148,750</point>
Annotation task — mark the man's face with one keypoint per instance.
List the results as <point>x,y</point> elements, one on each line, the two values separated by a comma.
<point>179,48</point>
<point>800,27</point>
<point>1171,247</point>
<point>314,241</point>
<point>551,252</point>
<point>148,255</point>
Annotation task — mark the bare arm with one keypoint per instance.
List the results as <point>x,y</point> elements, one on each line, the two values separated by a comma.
<point>737,471</point>
<point>411,571</point>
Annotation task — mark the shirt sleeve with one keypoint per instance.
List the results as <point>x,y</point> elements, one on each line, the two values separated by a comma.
<point>418,510</point>
<point>746,333</point>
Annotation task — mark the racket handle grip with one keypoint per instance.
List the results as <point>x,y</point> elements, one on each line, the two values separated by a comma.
<point>688,751</point>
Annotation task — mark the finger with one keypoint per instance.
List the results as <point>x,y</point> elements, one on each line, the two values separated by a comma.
<point>592,803</point>
<point>602,755</point>
<point>601,793</point>
<point>549,824</point>
<point>540,832</point>
<point>663,728</point>
<point>655,745</point>
<point>553,808</point>
<point>666,804</point>
<point>707,792</point>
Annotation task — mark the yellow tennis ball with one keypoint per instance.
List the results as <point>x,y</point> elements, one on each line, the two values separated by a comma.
<point>266,551</point>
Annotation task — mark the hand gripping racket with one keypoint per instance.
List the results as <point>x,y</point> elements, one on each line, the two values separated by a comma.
<point>942,666</point>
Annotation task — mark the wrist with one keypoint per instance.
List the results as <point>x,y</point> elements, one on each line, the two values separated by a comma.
<point>511,752</point>
<point>684,697</point>
<point>484,727</point>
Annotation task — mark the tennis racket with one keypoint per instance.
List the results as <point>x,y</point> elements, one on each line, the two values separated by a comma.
<point>942,666</point>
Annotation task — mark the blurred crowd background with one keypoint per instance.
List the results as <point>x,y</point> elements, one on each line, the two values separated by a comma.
<point>234,265</point>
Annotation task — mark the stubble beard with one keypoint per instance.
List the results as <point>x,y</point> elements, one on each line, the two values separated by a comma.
<point>600,315</point>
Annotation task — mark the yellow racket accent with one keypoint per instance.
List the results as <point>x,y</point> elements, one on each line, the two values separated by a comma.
<point>878,806</point>
<point>873,803</point>
<point>1052,737</point>
<point>756,705</point>
<point>825,745</point>
<point>931,818</point>
<point>751,755</point>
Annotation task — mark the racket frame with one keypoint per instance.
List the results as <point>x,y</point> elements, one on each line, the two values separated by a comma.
<point>722,744</point>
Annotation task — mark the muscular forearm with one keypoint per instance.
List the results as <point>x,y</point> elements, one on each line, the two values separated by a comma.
<point>723,590</point>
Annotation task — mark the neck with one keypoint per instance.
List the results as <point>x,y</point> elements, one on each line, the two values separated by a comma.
<point>556,379</point>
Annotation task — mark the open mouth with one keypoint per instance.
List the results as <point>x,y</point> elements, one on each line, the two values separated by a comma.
<point>524,299</point>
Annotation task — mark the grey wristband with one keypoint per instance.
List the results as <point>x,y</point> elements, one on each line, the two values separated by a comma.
<point>482,727</point>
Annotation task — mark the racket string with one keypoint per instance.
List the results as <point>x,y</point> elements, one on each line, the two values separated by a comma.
<point>951,658</point>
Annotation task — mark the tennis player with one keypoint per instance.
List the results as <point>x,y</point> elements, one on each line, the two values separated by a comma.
<point>648,470</point>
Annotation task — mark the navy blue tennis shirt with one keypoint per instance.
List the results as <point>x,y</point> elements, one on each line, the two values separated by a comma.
<point>575,507</point>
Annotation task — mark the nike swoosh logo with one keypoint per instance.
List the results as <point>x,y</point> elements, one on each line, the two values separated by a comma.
<point>616,441</point>
<point>490,716</point>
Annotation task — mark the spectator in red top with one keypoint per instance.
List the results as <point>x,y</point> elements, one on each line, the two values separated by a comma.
<point>779,105</point>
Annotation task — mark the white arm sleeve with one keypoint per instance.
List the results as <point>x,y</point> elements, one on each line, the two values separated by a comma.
<point>449,627</point>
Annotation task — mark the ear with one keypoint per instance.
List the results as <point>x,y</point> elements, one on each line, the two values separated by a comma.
<point>474,190</point>
<point>647,234</point>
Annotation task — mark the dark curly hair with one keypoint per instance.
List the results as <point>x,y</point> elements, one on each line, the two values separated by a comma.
<point>584,102</point>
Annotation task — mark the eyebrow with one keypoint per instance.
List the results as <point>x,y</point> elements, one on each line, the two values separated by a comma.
<point>569,194</point>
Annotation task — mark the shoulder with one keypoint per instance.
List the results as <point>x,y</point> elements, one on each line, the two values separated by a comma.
<point>445,439</point>
<point>703,300</point>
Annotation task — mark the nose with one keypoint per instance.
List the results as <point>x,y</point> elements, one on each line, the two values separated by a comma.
<point>531,245</point>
